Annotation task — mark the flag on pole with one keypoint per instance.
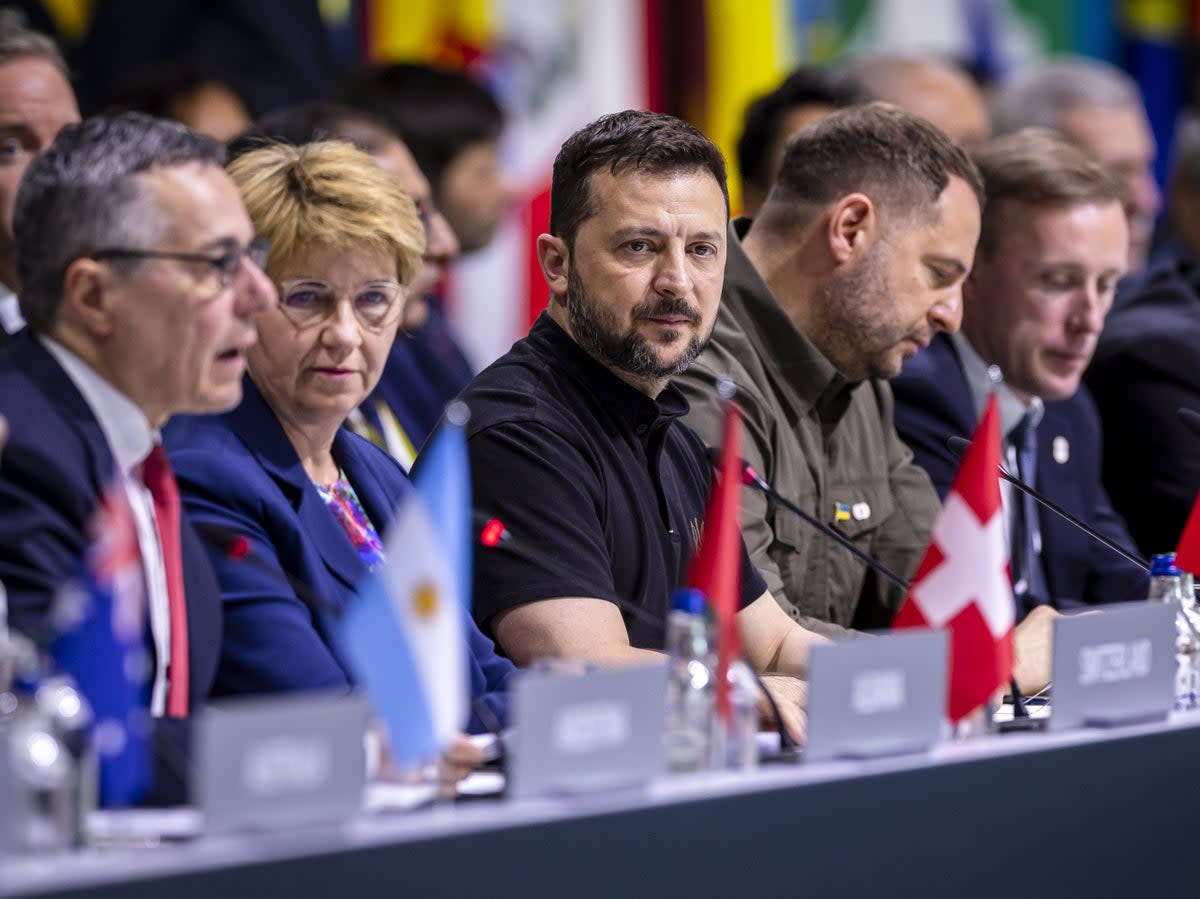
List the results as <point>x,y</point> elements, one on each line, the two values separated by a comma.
<point>716,568</point>
<point>99,622</point>
<point>403,634</point>
<point>1187,553</point>
<point>444,481</point>
<point>963,583</point>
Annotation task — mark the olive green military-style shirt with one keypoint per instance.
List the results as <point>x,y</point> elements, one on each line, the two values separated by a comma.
<point>826,444</point>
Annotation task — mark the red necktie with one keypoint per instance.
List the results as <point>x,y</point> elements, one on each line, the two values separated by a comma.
<point>160,481</point>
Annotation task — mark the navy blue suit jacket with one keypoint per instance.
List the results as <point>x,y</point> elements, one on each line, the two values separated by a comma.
<point>933,403</point>
<point>55,466</point>
<point>240,471</point>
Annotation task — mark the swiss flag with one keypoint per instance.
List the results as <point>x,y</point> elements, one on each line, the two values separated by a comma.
<point>716,569</point>
<point>963,583</point>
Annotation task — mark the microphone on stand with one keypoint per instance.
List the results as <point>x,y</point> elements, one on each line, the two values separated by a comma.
<point>752,478</point>
<point>958,446</point>
<point>787,744</point>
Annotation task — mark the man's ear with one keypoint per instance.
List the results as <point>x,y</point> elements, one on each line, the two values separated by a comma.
<point>853,227</point>
<point>555,261</point>
<point>87,297</point>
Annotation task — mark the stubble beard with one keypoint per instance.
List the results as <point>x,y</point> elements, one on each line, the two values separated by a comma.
<point>595,329</point>
<point>854,332</point>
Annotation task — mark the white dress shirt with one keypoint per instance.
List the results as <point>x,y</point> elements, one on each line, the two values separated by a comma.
<point>130,438</point>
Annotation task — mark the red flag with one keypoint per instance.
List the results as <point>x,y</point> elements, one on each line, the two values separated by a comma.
<point>963,583</point>
<point>1187,553</point>
<point>716,569</point>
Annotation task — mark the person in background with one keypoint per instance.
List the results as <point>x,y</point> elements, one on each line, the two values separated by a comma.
<point>804,96</point>
<point>575,438</point>
<point>36,101</point>
<point>140,282</point>
<point>281,469</point>
<point>1098,108</point>
<point>1144,370</point>
<point>200,101</point>
<point>1053,246</point>
<point>935,89</point>
<point>453,126</point>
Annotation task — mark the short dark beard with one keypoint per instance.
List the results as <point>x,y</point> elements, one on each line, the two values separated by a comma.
<point>595,330</point>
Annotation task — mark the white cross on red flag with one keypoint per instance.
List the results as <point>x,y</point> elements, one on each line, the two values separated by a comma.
<point>964,584</point>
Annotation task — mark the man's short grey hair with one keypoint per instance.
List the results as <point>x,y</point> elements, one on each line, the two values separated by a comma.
<point>19,42</point>
<point>1041,96</point>
<point>82,195</point>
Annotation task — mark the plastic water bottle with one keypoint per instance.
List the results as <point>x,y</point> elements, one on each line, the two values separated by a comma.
<point>735,742</point>
<point>1167,585</point>
<point>689,683</point>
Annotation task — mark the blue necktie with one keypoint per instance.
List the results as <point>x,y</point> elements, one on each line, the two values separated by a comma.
<point>1029,583</point>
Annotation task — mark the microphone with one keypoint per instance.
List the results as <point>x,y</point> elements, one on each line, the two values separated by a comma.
<point>958,446</point>
<point>492,531</point>
<point>786,743</point>
<point>235,546</point>
<point>752,478</point>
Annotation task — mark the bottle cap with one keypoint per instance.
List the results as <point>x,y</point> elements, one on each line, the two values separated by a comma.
<point>1163,565</point>
<point>690,600</point>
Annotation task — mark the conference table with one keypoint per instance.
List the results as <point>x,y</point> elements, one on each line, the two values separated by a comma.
<point>1092,812</point>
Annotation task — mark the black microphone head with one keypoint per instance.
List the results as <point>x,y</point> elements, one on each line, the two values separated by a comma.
<point>1189,417</point>
<point>958,445</point>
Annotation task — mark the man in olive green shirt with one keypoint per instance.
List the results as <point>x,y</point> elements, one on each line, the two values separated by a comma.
<point>856,260</point>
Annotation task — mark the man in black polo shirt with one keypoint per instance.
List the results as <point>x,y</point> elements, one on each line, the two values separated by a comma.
<point>575,439</point>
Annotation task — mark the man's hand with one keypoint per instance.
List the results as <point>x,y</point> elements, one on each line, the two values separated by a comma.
<point>1032,642</point>
<point>791,695</point>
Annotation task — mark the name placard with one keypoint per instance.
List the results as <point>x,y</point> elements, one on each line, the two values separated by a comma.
<point>879,696</point>
<point>581,732</point>
<point>280,762</point>
<point>1116,666</point>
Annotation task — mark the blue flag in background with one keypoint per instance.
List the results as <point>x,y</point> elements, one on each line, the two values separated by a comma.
<point>99,623</point>
<point>444,481</point>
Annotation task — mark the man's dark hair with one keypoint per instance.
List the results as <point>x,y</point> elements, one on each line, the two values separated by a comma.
<point>641,141</point>
<point>899,159</point>
<point>81,195</point>
<point>310,122</point>
<point>438,112</point>
<point>764,116</point>
<point>159,89</point>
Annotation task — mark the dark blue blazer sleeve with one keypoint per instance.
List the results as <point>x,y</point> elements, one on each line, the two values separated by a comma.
<point>490,677</point>
<point>274,641</point>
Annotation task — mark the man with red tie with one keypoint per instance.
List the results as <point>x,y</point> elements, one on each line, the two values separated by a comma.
<point>139,282</point>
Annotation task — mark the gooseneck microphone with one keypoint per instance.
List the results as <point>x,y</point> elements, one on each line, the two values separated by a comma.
<point>752,478</point>
<point>787,744</point>
<point>958,446</point>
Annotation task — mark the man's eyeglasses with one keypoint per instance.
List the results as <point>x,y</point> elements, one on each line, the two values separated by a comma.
<point>307,302</point>
<point>226,264</point>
